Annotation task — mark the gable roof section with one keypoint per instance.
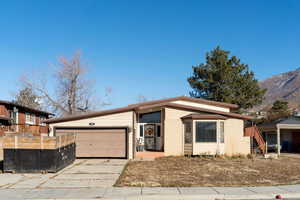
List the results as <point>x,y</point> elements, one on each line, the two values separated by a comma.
<point>89,115</point>
<point>197,109</point>
<point>291,120</point>
<point>191,99</point>
<point>272,125</point>
<point>144,106</point>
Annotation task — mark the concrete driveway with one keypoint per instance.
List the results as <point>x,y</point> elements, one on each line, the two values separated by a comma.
<point>84,173</point>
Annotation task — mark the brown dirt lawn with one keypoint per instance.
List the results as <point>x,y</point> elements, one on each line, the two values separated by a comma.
<point>197,171</point>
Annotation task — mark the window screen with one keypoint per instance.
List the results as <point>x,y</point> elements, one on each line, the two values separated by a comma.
<point>206,132</point>
<point>188,137</point>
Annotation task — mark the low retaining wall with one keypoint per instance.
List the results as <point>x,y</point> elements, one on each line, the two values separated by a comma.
<point>38,154</point>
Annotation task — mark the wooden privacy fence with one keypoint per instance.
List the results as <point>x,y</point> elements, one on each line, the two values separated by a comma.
<point>37,142</point>
<point>30,154</point>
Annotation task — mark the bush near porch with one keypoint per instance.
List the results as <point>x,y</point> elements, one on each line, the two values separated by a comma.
<point>200,171</point>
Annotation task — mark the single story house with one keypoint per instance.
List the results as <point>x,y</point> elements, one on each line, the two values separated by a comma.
<point>284,132</point>
<point>15,118</point>
<point>167,127</point>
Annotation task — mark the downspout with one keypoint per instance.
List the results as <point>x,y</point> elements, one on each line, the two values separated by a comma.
<point>133,134</point>
<point>219,152</point>
<point>162,128</point>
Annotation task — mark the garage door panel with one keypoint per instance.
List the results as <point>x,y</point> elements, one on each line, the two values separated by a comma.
<point>98,142</point>
<point>60,131</point>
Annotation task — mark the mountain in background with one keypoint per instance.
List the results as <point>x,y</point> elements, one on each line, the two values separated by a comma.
<point>285,86</point>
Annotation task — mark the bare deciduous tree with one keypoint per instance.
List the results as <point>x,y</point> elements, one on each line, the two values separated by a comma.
<point>26,97</point>
<point>73,93</point>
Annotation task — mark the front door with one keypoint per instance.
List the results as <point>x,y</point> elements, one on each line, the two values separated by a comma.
<point>149,130</point>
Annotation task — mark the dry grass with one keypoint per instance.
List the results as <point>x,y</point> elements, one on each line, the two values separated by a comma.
<point>197,171</point>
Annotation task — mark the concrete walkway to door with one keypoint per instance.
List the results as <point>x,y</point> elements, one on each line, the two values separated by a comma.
<point>84,173</point>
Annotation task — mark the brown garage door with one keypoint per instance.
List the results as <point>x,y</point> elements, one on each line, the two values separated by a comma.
<point>98,142</point>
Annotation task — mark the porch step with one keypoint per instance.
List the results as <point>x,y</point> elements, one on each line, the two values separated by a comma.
<point>144,159</point>
<point>150,154</point>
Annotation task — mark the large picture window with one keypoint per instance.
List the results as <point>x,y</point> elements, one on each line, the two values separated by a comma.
<point>206,131</point>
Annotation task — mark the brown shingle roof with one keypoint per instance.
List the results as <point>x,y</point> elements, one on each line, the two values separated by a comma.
<point>193,108</point>
<point>191,99</point>
<point>156,104</point>
<point>24,107</point>
<point>89,115</point>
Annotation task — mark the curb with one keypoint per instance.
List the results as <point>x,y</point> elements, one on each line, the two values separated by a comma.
<point>197,197</point>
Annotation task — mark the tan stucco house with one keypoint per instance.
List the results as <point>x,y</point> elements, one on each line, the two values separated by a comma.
<point>168,127</point>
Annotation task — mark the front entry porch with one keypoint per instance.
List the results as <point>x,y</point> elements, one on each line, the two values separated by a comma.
<point>149,141</point>
<point>149,138</point>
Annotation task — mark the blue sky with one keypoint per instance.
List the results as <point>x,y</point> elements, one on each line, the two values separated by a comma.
<point>145,47</point>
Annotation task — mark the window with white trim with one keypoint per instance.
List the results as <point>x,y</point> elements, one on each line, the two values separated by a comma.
<point>14,117</point>
<point>206,131</point>
<point>209,131</point>
<point>41,121</point>
<point>29,118</point>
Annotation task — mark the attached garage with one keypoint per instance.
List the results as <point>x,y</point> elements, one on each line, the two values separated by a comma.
<point>98,142</point>
<point>104,134</point>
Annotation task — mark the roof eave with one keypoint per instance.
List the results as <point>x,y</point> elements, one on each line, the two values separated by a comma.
<point>89,115</point>
<point>185,98</point>
<point>192,108</point>
<point>143,106</point>
<point>25,107</point>
<point>203,117</point>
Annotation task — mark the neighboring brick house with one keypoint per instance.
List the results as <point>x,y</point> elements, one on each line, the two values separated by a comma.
<point>15,118</point>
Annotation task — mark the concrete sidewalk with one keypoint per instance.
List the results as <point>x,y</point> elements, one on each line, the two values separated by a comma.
<point>84,173</point>
<point>93,179</point>
<point>213,193</point>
